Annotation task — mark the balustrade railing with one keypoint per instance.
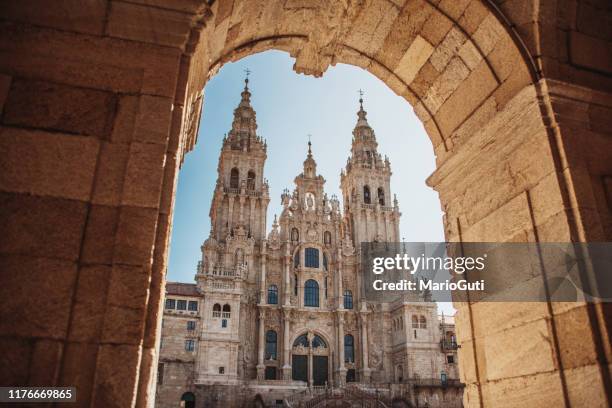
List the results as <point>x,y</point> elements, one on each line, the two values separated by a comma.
<point>448,345</point>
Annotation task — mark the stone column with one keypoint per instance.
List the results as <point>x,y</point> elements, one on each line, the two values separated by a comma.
<point>286,345</point>
<point>341,377</point>
<point>241,215</point>
<point>252,215</point>
<point>363,314</point>
<point>287,297</point>
<point>261,344</point>
<point>340,283</point>
<point>230,214</point>
<point>262,289</point>
<point>310,359</point>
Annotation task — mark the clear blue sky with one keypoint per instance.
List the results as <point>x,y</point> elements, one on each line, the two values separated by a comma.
<point>289,107</point>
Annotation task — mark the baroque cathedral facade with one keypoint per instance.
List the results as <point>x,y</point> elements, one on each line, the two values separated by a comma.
<point>277,311</point>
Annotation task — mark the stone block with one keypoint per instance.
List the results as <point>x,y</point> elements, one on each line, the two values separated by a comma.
<point>49,288</point>
<point>500,224</point>
<point>153,119</point>
<point>447,49</point>
<point>467,96</point>
<point>576,338</point>
<point>45,363</point>
<point>116,376</point>
<point>403,33</point>
<point>518,80</point>
<point>135,236</point>
<point>88,19</point>
<point>159,26</point>
<point>169,184</point>
<point>79,370</point>
<point>475,12</point>
<point>593,20</point>
<point>112,165</point>
<point>37,226</point>
<point>61,108</point>
<point>84,61</point>
<point>144,175</point>
<point>424,78</point>
<point>590,52</point>
<point>469,54</point>
<point>586,384</point>
<point>413,60</point>
<point>90,303</point>
<point>495,317</point>
<point>546,199</point>
<point>454,8</point>
<point>436,28</point>
<point>488,33</point>
<point>49,164</point>
<point>125,119</point>
<point>129,286</point>
<point>15,360</point>
<point>99,241</point>
<point>530,343</point>
<point>556,228</point>
<point>538,390</point>
<point>123,325</point>
<point>5,85</point>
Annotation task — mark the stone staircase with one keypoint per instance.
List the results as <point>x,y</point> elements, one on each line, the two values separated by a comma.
<point>340,397</point>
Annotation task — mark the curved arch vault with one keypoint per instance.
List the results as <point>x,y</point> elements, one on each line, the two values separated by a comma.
<point>100,105</point>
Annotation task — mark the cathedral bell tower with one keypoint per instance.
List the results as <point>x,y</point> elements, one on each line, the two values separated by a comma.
<point>231,255</point>
<point>370,213</point>
<point>241,194</point>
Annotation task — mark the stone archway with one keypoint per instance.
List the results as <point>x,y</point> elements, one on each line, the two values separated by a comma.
<point>100,105</point>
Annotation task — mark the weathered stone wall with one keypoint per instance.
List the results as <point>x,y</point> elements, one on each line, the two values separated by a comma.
<point>100,103</point>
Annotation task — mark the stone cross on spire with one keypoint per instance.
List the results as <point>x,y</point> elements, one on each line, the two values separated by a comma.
<point>246,78</point>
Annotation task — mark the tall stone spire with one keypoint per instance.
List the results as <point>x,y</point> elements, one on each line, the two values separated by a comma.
<point>363,131</point>
<point>243,134</point>
<point>310,165</point>
<point>366,188</point>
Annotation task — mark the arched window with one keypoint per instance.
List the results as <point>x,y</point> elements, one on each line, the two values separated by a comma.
<point>415,322</point>
<point>325,266</point>
<point>423,322</point>
<point>349,349</point>
<point>318,341</point>
<point>226,311</point>
<point>400,373</point>
<point>311,258</point>
<point>189,400</point>
<point>217,310</point>
<point>295,235</point>
<point>271,340</point>
<point>301,341</point>
<point>348,299</point>
<point>273,295</point>
<point>366,195</point>
<point>381,196</point>
<point>234,178</point>
<point>327,238</point>
<point>311,293</point>
<point>295,284</point>
<point>296,259</point>
<point>251,180</point>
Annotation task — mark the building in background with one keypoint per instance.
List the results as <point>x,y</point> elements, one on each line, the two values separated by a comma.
<point>273,314</point>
